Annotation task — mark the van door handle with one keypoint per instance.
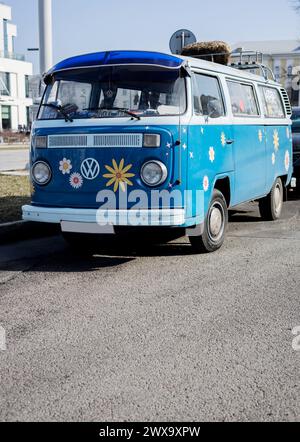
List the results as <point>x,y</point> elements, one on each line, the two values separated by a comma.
<point>229,141</point>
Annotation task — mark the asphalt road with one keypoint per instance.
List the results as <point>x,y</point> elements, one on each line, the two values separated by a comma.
<point>16,159</point>
<point>154,332</point>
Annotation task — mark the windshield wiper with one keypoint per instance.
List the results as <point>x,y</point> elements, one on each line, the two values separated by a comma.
<point>121,109</point>
<point>59,109</point>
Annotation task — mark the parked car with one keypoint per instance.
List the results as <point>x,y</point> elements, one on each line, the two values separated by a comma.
<point>129,139</point>
<point>296,145</point>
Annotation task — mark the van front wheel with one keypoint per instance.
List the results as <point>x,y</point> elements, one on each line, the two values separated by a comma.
<point>270,207</point>
<point>214,226</point>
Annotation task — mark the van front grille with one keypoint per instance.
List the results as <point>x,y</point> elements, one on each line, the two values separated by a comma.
<point>67,141</point>
<point>98,140</point>
<point>118,140</point>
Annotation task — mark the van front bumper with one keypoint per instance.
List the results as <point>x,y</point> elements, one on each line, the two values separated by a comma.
<point>143,217</point>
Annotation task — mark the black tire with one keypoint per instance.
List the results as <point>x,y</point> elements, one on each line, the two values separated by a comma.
<point>211,241</point>
<point>270,207</point>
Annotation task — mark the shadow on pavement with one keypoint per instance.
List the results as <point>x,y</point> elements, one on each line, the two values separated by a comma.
<point>52,254</point>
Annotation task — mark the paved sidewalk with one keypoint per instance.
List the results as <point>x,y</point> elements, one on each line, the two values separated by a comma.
<point>17,159</point>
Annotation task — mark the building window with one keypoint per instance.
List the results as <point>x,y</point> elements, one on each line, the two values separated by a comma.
<point>4,83</point>
<point>27,86</point>
<point>6,117</point>
<point>28,119</point>
<point>5,36</point>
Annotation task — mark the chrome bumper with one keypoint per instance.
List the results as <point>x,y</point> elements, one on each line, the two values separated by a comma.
<point>144,217</point>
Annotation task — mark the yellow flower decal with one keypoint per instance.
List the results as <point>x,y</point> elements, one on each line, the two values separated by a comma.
<point>276,140</point>
<point>223,139</point>
<point>118,175</point>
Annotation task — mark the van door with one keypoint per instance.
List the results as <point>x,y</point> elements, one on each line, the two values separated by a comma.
<point>209,146</point>
<point>249,142</point>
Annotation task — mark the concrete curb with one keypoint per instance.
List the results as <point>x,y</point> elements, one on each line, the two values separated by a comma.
<point>22,230</point>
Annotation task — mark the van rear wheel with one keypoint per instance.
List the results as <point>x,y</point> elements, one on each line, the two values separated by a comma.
<point>215,226</point>
<point>271,206</point>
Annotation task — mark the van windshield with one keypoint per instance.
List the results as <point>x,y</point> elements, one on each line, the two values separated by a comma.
<point>110,92</point>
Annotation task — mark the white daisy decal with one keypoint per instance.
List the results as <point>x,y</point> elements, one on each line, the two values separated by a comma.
<point>191,155</point>
<point>211,154</point>
<point>168,145</point>
<point>65,166</point>
<point>205,183</point>
<point>287,160</point>
<point>273,158</point>
<point>76,180</point>
<point>184,130</point>
<point>260,135</point>
<point>223,139</point>
<point>276,140</point>
<point>184,146</point>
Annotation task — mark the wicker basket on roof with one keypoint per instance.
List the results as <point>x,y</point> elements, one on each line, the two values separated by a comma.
<point>216,51</point>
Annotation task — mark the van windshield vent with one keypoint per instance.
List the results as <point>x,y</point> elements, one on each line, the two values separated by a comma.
<point>118,140</point>
<point>286,100</point>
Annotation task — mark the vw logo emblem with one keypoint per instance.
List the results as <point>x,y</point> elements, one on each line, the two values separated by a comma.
<point>90,168</point>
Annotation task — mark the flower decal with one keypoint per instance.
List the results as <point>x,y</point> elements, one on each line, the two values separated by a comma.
<point>287,160</point>
<point>205,183</point>
<point>260,135</point>
<point>76,180</point>
<point>65,166</point>
<point>273,158</point>
<point>276,140</point>
<point>118,175</point>
<point>211,154</point>
<point>223,139</point>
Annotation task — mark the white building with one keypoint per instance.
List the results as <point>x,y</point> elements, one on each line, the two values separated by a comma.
<point>283,57</point>
<point>15,98</point>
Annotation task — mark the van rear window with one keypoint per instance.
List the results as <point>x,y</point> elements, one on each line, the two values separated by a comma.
<point>273,106</point>
<point>243,101</point>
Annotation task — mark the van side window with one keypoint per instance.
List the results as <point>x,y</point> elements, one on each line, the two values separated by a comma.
<point>207,97</point>
<point>243,99</point>
<point>273,107</point>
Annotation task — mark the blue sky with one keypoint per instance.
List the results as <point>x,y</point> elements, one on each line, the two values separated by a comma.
<point>93,25</point>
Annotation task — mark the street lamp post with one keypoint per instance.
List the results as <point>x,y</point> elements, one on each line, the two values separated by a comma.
<point>45,31</point>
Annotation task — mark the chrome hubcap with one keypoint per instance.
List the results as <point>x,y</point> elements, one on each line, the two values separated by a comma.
<point>277,199</point>
<point>216,221</point>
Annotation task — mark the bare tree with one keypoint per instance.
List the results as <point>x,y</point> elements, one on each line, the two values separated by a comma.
<point>296,5</point>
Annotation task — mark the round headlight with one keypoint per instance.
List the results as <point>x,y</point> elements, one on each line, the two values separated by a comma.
<point>41,173</point>
<point>154,173</point>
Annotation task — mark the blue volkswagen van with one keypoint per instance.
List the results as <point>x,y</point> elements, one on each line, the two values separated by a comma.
<point>132,138</point>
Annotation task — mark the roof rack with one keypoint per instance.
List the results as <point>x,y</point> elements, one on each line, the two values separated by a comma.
<point>267,72</point>
<point>248,60</point>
